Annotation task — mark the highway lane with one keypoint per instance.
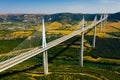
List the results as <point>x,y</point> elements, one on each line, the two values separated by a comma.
<point>26,55</point>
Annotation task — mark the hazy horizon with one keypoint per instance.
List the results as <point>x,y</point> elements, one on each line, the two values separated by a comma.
<point>52,13</point>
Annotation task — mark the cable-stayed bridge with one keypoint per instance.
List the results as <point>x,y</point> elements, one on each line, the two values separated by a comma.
<point>8,63</point>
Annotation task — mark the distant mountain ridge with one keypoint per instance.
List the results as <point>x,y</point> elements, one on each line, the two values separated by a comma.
<point>114,17</point>
<point>70,18</point>
<point>60,17</point>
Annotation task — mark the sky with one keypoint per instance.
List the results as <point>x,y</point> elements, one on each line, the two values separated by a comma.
<point>59,6</point>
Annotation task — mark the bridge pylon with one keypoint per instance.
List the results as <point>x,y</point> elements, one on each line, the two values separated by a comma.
<point>45,55</point>
<point>94,33</point>
<point>82,43</point>
<point>105,19</point>
<point>101,24</point>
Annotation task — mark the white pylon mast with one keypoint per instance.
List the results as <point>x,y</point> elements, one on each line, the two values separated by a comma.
<point>101,24</point>
<point>104,20</point>
<point>45,56</point>
<point>94,34</point>
<point>43,34</point>
<point>82,43</point>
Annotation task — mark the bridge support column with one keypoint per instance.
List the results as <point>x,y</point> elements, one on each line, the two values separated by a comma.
<point>45,62</point>
<point>94,34</point>
<point>82,44</point>
<point>104,22</point>
<point>101,24</point>
<point>105,19</point>
<point>45,55</point>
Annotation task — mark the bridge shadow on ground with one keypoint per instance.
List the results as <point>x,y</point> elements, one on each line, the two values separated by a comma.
<point>64,49</point>
<point>115,34</point>
<point>38,65</point>
<point>115,28</point>
<point>18,71</point>
<point>105,48</point>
